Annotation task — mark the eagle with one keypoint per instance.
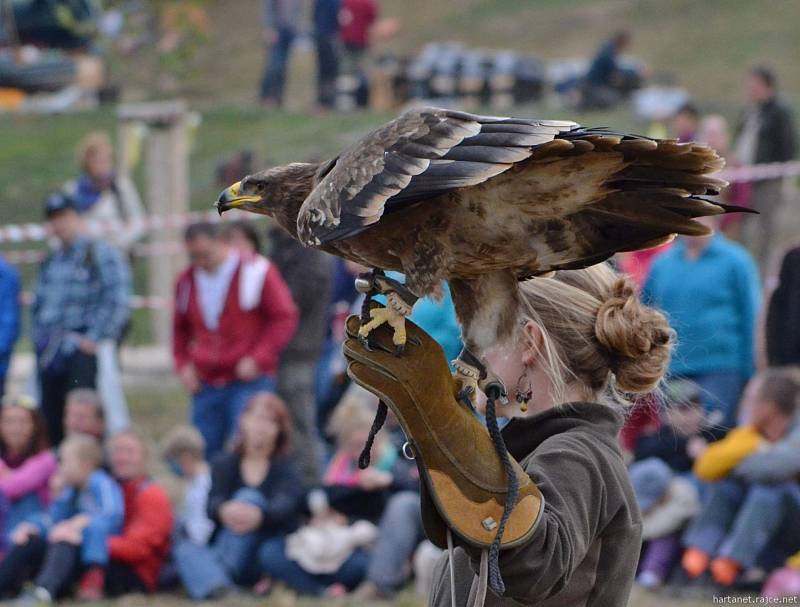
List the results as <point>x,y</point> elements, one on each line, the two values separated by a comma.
<point>483,202</point>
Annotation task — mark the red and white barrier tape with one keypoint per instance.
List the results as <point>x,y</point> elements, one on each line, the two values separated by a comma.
<point>37,232</point>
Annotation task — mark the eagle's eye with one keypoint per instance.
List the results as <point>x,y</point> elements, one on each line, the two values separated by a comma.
<point>260,186</point>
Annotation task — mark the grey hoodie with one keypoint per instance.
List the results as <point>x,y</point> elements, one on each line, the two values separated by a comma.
<point>586,546</point>
<point>777,463</point>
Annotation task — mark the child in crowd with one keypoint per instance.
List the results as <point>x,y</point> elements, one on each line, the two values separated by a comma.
<point>679,439</point>
<point>352,491</point>
<point>184,449</point>
<point>667,502</point>
<point>88,511</point>
<point>755,499</point>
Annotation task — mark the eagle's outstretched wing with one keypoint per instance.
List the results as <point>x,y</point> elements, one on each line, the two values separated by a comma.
<point>422,153</point>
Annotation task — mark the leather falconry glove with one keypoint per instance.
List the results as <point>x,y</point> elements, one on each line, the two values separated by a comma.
<point>464,482</point>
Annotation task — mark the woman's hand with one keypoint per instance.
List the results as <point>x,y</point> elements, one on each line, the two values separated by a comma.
<point>240,517</point>
<point>67,532</point>
<point>22,533</point>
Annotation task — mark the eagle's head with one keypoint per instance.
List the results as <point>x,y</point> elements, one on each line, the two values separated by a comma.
<point>271,192</point>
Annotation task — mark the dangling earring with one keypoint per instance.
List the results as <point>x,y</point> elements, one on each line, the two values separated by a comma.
<point>523,396</point>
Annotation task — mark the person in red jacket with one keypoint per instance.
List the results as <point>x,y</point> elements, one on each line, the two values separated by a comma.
<point>136,555</point>
<point>232,319</point>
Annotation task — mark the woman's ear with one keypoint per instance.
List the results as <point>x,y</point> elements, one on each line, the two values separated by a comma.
<point>532,343</point>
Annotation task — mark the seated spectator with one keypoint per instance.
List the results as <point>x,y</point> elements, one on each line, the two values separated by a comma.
<point>325,557</point>
<point>138,552</point>
<point>667,502</point>
<point>256,493</point>
<point>83,413</point>
<point>400,529</point>
<point>751,512</point>
<point>74,539</point>
<point>9,317</point>
<point>109,202</point>
<point>351,495</point>
<point>183,452</point>
<point>679,439</point>
<point>231,321</point>
<point>26,464</point>
<point>354,492</point>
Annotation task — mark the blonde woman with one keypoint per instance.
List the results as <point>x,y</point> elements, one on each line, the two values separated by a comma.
<point>104,197</point>
<point>584,343</point>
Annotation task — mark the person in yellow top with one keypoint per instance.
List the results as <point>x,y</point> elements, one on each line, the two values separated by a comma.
<point>719,459</point>
<point>754,496</point>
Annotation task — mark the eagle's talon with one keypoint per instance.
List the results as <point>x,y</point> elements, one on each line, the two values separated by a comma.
<point>399,349</point>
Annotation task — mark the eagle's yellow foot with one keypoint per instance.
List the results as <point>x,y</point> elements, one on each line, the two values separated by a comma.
<point>394,314</point>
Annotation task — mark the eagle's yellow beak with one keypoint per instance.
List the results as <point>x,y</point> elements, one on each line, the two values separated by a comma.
<point>231,198</point>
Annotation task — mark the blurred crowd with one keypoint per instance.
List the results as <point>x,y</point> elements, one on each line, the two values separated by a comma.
<point>273,490</point>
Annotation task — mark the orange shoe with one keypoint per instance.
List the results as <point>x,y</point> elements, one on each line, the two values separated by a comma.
<point>695,562</point>
<point>725,570</point>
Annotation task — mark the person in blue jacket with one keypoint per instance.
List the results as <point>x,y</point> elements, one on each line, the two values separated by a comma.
<point>72,538</point>
<point>9,317</point>
<point>709,288</point>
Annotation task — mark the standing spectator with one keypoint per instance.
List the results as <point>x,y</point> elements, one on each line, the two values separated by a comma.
<point>9,317</point>
<point>81,300</point>
<point>109,202</point>
<point>356,18</point>
<point>782,330</point>
<point>232,319</point>
<point>281,23</point>
<point>326,37</point>
<point>755,499</point>
<point>75,535</point>
<point>184,450</point>
<point>714,132</point>
<point>683,125</point>
<point>256,493</point>
<point>138,552</point>
<point>708,286</point>
<point>766,134</point>
<point>26,464</point>
<point>308,275</point>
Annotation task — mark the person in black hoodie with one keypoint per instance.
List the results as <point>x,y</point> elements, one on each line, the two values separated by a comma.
<point>256,493</point>
<point>782,331</point>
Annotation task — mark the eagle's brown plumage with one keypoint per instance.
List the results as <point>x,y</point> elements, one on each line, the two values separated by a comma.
<point>483,202</point>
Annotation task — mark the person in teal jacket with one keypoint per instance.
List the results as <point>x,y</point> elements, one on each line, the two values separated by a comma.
<point>709,289</point>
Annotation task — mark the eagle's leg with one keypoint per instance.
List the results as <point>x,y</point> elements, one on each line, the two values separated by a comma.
<point>470,374</point>
<point>399,303</point>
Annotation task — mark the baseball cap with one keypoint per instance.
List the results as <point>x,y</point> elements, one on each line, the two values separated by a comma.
<point>58,201</point>
<point>650,478</point>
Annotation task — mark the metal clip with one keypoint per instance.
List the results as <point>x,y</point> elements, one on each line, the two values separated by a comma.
<point>408,451</point>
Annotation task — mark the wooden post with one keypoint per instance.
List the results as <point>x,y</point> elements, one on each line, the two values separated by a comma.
<point>166,157</point>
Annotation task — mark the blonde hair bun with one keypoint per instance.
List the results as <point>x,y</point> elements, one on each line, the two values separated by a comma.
<point>638,338</point>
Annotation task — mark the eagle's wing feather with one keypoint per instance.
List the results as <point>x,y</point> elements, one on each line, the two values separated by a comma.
<point>423,153</point>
